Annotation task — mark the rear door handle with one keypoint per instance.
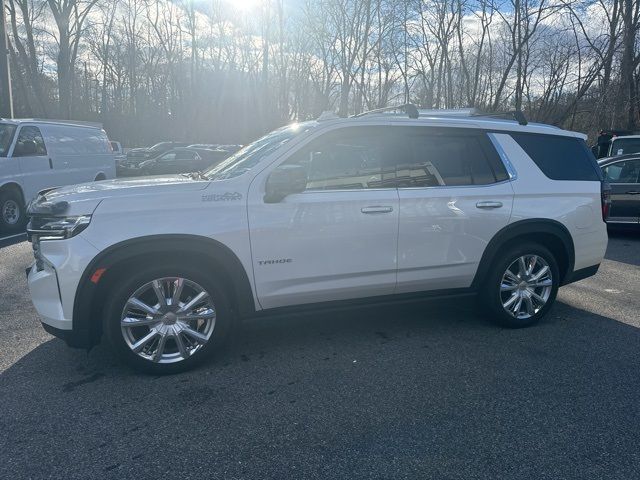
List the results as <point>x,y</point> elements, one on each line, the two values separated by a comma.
<point>50,163</point>
<point>376,209</point>
<point>489,204</point>
<point>633,192</point>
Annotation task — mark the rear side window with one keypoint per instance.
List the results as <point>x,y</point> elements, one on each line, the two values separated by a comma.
<point>559,158</point>
<point>439,157</point>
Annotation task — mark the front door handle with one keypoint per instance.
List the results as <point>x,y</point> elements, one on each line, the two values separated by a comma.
<point>489,204</point>
<point>633,192</point>
<point>50,163</point>
<point>376,209</point>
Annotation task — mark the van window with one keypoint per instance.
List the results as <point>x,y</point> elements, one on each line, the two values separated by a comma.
<point>6,137</point>
<point>69,140</point>
<point>559,157</point>
<point>30,134</point>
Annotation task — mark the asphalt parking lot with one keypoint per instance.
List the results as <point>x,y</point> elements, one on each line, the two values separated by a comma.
<point>420,391</point>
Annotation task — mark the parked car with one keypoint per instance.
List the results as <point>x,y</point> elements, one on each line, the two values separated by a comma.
<point>376,208</point>
<point>39,154</point>
<point>140,154</point>
<point>616,142</point>
<point>135,156</point>
<point>622,173</point>
<point>625,145</point>
<point>215,146</point>
<point>178,160</point>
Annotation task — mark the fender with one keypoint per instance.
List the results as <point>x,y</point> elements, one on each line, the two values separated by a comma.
<point>87,329</point>
<point>529,227</point>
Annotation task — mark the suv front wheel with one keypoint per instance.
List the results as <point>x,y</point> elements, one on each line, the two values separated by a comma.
<point>521,286</point>
<point>167,319</point>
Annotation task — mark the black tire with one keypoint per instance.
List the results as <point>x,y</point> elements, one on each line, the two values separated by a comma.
<point>13,215</point>
<point>121,290</point>
<point>490,295</point>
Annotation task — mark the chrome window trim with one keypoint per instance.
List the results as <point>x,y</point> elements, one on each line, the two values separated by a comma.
<point>511,171</point>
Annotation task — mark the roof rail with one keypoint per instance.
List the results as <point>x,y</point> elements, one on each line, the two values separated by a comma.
<point>516,115</point>
<point>409,108</point>
<point>81,123</point>
<point>413,112</point>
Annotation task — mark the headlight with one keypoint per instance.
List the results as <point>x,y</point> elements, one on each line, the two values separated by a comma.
<point>57,228</point>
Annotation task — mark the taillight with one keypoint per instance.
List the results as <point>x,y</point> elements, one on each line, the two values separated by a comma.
<point>605,199</point>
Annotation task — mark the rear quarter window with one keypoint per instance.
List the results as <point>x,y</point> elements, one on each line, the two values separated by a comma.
<point>560,158</point>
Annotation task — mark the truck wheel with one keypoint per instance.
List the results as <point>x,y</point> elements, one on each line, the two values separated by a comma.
<point>521,286</point>
<point>13,216</point>
<point>166,319</point>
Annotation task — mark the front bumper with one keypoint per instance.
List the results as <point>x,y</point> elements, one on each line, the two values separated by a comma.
<point>45,295</point>
<point>53,286</point>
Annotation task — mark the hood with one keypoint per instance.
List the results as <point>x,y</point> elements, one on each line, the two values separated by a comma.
<point>84,198</point>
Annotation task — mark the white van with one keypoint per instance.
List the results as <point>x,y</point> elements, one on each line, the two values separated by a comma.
<point>39,154</point>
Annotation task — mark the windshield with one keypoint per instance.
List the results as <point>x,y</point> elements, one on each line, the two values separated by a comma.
<point>6,135</point>
<point>248,157</point>
<point>623,146</point>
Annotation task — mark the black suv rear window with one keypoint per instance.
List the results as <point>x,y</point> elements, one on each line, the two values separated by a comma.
<point>560,158</point>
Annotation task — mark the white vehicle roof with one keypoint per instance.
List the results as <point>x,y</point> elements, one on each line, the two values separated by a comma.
<point>464,118</point>
<point>622,137</point>
<point>70,123</point>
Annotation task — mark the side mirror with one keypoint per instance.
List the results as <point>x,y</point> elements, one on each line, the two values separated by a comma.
<point>26,148</point>
<point>285,180</point>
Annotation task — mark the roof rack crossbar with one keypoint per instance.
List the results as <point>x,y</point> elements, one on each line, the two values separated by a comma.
<point>409,108</point>
<point>516,115</point>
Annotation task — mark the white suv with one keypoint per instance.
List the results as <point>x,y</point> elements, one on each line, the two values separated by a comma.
<point>375,208</point>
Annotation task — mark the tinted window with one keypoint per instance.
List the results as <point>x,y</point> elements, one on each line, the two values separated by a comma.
<point>444,159</point>
<point>346,159</point>
<point>559,158</point>
<point>622,172</point>
<point>30,134</point>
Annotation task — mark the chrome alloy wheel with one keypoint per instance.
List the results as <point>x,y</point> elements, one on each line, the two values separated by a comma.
<point>10,212</point>
<point>168,319</point>
<point>526,286</point>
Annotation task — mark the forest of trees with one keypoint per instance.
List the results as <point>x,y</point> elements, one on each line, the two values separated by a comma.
<point>228,70</point>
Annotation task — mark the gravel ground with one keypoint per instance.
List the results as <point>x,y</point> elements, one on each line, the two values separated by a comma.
<point>428,390</point>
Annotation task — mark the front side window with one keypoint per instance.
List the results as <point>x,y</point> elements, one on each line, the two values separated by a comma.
<point>30,142</point>
<point>623,172</point>
<point>351,158</point>
<point>6,137</point>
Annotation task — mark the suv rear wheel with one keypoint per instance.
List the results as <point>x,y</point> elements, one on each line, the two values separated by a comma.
<point>522,286</point>
<point>167,319</point>
<point>12,213</point>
